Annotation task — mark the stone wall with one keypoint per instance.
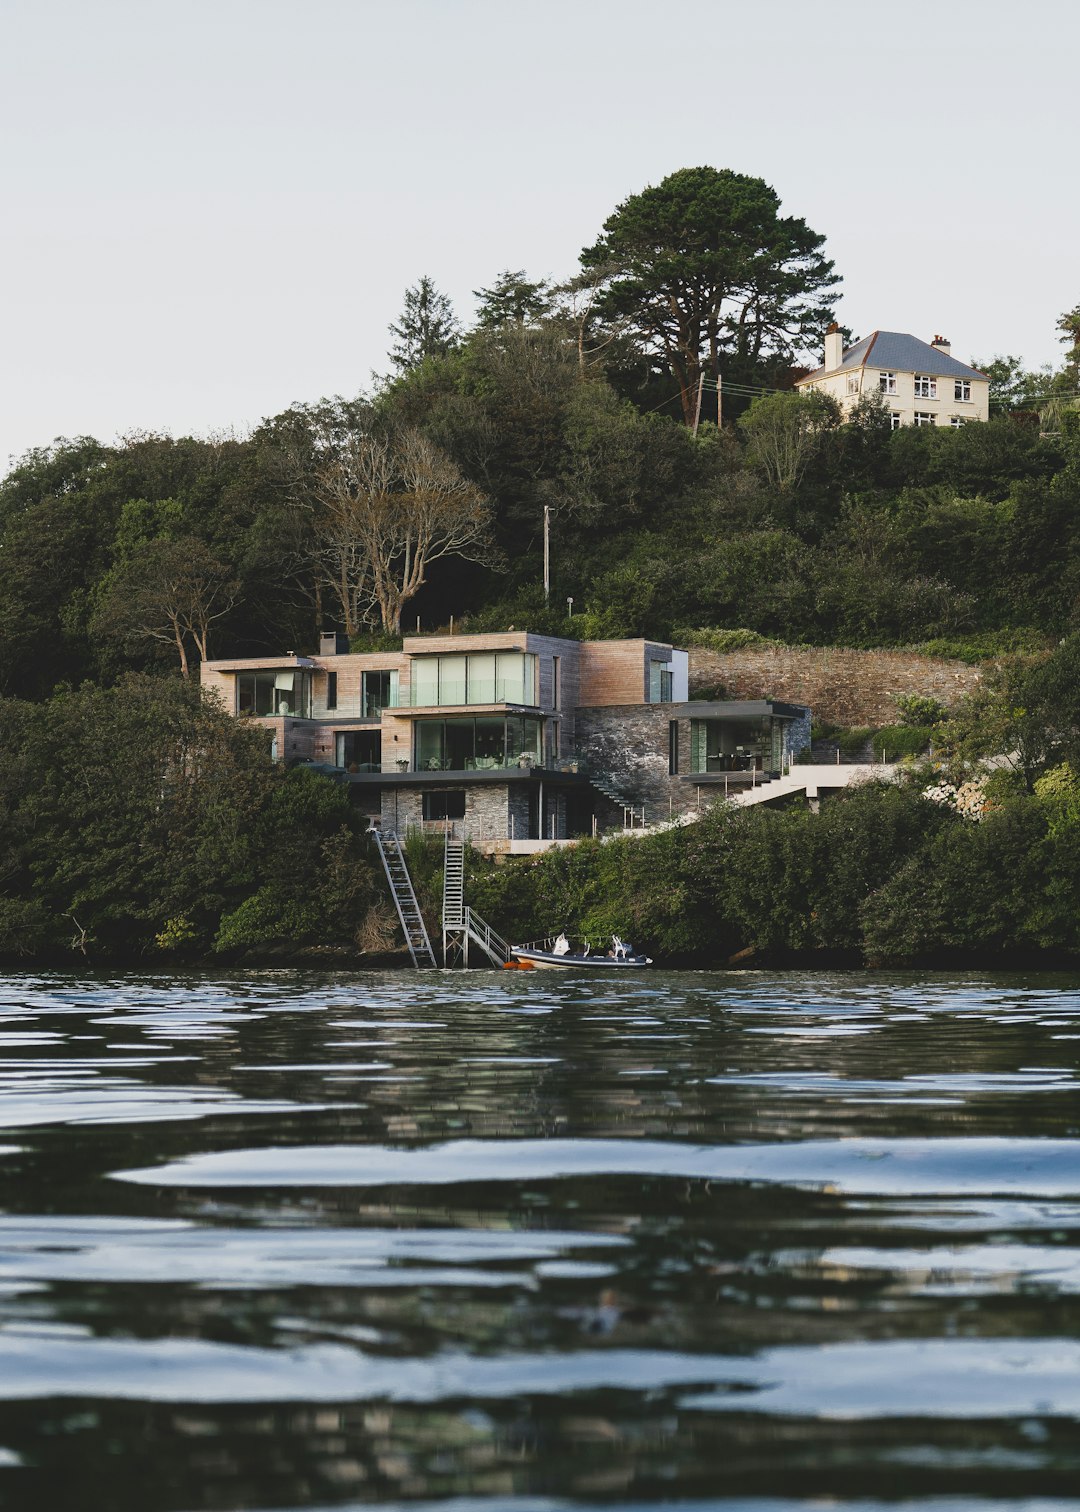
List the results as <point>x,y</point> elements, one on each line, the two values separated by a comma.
<point>842,687</point>
<point>630,746</point>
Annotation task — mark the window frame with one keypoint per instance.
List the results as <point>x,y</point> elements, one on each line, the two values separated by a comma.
<point>289,692</point>
<point>435,798</point>
<point>370,705</point>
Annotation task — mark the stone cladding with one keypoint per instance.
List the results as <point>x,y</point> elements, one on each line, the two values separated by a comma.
<point>842,687</point>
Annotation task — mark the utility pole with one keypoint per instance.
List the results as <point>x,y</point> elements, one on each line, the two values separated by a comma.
<point>719,400</point>
<point>700,391</point>
<point>547,551</point>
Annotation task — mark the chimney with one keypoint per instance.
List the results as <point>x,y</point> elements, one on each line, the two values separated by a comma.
<point>941,344</point>
<point>331,643</point>
<point>834,347</point>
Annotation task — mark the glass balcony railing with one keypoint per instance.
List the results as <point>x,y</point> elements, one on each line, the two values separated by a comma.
<point>475,691</point>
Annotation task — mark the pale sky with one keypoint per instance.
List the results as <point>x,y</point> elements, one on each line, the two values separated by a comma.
<point>212,208</point>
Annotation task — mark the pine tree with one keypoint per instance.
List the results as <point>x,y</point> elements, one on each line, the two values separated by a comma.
<point>428,327</point>
<point>513,300</point>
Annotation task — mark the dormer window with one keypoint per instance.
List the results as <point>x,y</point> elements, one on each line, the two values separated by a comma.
<point>887,383</point>
<point>925,387</point>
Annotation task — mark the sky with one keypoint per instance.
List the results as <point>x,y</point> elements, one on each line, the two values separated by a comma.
<point>212,208</point>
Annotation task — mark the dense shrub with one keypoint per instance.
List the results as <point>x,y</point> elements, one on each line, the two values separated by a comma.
<point>143,817</point>
<point>881,874</point>
<point>895,742</point>
<point>919,709</point>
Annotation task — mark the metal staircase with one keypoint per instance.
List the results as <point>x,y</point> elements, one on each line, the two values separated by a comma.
<point>633,813</point>
<point>453,901</point>
<point>401,890</point>
<point>460,924</point>
<point>494,946</point>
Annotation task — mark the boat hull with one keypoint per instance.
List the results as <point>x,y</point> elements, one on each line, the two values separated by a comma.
<point>546,960</point>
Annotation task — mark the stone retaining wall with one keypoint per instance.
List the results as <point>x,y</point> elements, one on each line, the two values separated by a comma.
<point>842,687</point>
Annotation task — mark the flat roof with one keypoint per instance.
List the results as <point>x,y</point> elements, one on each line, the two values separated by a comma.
<point>456,779</point>
<point>736,708</point>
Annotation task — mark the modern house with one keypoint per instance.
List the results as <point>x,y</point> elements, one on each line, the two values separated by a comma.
<point>922,383</point>
<point>520,738</point>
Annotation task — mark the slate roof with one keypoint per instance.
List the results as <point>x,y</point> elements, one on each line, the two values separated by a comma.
<point>897,352</point>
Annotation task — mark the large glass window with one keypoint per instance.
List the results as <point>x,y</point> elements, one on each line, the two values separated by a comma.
<point>453,680</point>
<point>424,680</point>
<point>475,745</point>
<point>483,678</point>
<point>279,692</point>
<point>358,750</point>
<point>659,682</point>
<point>725,745</point>
<point>480,677</point>
<point>379,692</point>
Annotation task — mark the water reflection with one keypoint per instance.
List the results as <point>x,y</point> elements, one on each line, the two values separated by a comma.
<point>289,1241</point>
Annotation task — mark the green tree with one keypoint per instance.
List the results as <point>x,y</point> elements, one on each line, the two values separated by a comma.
<point>169,592</point>
<point>140,817</point>
<point>1069,326</point>
<point>512,300</point>
<point>1012,386</point>
<point>1027,713</point>
<point>783,432</point>
<point>711,276</point>
<point>427,327</point>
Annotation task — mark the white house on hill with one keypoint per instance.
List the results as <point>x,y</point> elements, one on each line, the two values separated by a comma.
<point>920,381</point>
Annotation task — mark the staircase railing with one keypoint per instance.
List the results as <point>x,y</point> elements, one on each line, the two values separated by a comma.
<point>404,895</point>
<point>493,945</point>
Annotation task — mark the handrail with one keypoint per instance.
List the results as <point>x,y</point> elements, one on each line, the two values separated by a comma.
<point>485,936</point>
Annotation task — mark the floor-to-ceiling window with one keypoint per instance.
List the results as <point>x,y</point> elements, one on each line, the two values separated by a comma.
<point>480,677</point>
<point>379,692</point>
<point>276,692</point>
<point>475,743</point>
<point>358,750</point>
<point>726,745</point>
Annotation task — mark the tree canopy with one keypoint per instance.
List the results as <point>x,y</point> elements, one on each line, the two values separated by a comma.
<point>512,300</point>
<point>709,274</point>
<point>427,327</point>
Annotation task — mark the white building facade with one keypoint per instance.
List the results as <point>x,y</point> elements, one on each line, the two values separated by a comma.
<point>920,381</point>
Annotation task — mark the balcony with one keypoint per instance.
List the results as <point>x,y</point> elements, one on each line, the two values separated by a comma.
<point>476,692</point>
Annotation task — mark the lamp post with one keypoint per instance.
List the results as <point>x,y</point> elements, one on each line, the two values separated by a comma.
<point>547,551</point>
<point>570,608</point>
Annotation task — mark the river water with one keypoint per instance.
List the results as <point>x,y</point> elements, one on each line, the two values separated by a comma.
<point>538,1241</point>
